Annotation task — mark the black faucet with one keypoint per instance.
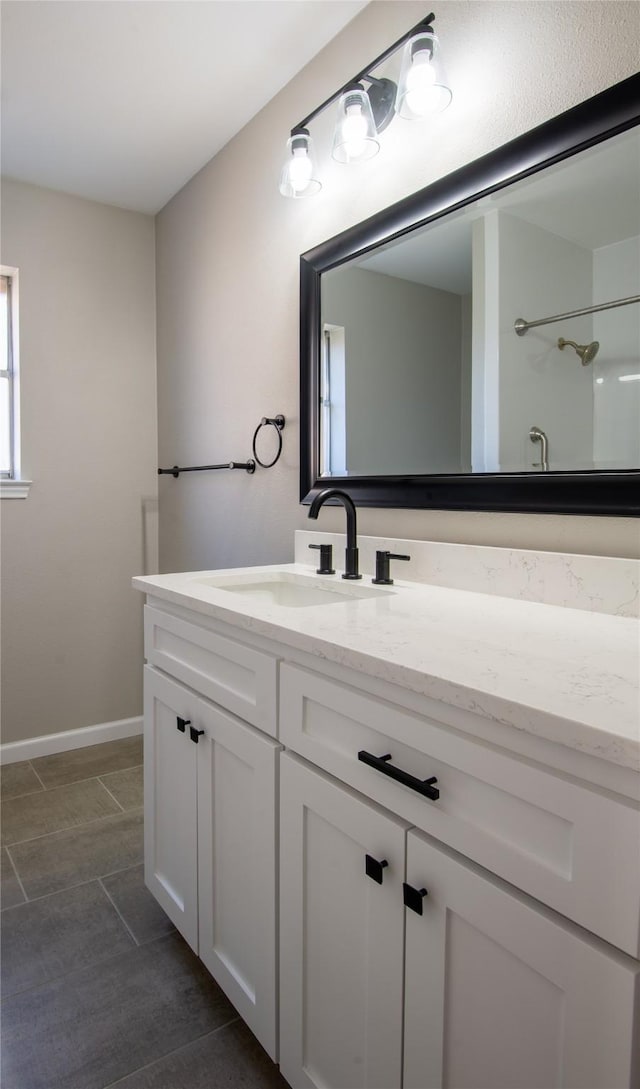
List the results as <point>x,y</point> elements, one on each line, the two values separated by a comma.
<point>351,553</point>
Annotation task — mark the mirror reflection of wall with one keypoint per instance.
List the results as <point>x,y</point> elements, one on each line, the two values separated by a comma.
<point>435,378</point>
<point>616,370</point>
<point>528,270</point>
<point>406,353</point>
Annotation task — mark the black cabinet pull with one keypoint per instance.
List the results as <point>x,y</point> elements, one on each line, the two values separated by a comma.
<point>182,723</point>
<point>381,763</point>
<point>413,897</point>
<point>195,734</point>
<point>374,868</point>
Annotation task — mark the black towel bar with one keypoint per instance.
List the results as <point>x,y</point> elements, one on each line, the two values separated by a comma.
<point>249,467</point>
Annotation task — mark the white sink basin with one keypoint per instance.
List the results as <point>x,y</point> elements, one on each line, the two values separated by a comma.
<point>290,589</point>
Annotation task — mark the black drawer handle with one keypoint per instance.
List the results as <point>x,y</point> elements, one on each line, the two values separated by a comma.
<point>381,763</point>
<point>195,734</point>
<point>182,723</point>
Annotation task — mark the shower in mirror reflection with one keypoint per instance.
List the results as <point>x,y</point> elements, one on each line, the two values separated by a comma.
<point>586,352</point>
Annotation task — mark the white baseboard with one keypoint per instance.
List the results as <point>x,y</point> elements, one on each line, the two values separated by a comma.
<point>13,751</point>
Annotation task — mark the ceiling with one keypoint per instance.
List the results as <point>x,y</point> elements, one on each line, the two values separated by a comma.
<point>590,199</point>
<point>123,102</point>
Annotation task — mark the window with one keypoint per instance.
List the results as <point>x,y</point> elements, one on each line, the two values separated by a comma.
<point>11,484</point>
<point>333,424</point>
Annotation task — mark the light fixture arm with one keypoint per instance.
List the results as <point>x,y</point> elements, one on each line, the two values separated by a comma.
<point>382,96</point>
<point>424,24</point>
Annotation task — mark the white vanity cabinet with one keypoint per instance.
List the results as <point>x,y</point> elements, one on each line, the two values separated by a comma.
<point>502,994</point>
<point>476,983</point>
<point>447,900</point>
<point>341,935</point>
<point>171,801</point>
<point>210,817</point>
<point>574,848</point>
<point>473,985</point>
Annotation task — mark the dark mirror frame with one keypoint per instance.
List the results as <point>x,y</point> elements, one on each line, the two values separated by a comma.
<point>585,492</point>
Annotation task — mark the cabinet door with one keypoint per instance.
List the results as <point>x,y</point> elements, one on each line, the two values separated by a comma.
<point>237,866</point>
<point>341,936</point>
<point>503,994</point>
<point>170,804</point>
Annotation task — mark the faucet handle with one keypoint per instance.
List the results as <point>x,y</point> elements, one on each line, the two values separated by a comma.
<point>382,566</point>
<point>326,559</point>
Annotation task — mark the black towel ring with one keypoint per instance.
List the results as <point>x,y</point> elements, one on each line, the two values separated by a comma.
<point>278,423</point>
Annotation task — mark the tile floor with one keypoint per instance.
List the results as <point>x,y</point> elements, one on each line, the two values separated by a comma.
<point>98,989</point>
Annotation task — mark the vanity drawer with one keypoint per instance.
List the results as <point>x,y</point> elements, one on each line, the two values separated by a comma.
<point>236,677</point>
<point>573,848</point>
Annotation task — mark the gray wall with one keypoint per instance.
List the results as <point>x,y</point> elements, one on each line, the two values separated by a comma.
<point>227,268</point>
<point>616,273</point>
<point>71,624</point>
<point>542,273</point>
<point>403,371</point>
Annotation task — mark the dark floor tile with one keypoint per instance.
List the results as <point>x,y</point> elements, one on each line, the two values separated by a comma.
<point>47,938</point>
<point>79,854</point>
<point>229,1058</point>
<point>16,779</point>
<point>126,787</point>
<point>10,891</point>
<point>52,810</point>
<point>139,909</point>
<point>70,767</point>
<point>97,1025</point>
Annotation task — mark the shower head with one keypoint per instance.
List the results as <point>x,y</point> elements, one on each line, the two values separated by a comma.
<point>587,352</point>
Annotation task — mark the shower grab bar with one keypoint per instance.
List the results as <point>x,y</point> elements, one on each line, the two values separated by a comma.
<point>249,467</point>
<point>521,326</point>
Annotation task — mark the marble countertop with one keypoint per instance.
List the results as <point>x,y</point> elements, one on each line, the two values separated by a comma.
<point>564,674</point>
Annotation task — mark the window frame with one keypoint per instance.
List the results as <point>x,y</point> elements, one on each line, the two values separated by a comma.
<point>12,484</point>
<point>333,442</point>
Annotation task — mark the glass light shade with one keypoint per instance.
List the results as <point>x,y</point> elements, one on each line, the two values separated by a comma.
<point>355,137</point>
<point>422,88</point>
<point>298,178</point>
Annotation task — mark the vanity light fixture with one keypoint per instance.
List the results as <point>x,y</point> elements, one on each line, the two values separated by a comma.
<point>365,111</point>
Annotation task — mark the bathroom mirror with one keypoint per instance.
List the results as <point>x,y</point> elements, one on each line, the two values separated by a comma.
<point>420,385</point>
